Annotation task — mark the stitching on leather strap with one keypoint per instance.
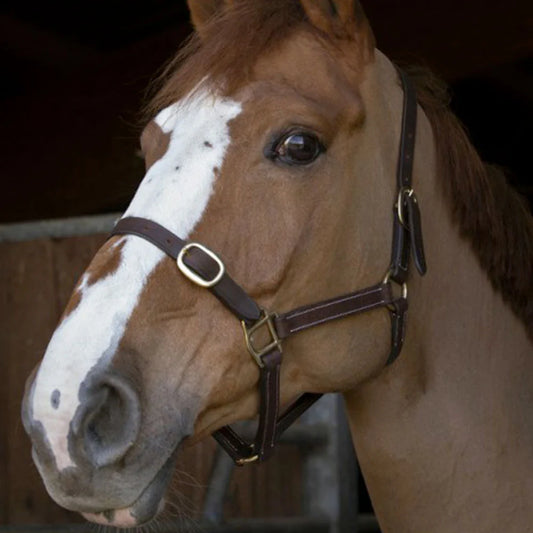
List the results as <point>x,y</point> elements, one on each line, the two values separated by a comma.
<point>336,316</point>
<point>330,303</point>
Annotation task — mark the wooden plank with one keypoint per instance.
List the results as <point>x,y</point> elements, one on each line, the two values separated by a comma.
<point>276,525</point>
<point>282,484</point>
<point>269,489</point>
<point>37,278</point>
<point>58,228</point>
<point>5,277</point>
<point>28,316</point>
<point>188,485</point>
<point>70,259</point>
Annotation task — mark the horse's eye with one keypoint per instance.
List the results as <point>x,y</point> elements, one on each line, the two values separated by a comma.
<point>297,148</point>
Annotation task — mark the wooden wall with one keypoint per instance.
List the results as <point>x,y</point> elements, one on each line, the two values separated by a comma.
<point>36,279</point>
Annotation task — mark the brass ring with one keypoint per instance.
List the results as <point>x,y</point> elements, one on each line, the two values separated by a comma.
<point>388,279</point>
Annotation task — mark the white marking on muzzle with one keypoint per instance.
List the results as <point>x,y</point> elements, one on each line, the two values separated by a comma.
<point>174,193</point>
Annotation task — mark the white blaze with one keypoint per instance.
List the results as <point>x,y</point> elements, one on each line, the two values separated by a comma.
<point>174,193</point>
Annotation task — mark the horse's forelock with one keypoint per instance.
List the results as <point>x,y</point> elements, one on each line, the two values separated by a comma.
<point>231,44</point>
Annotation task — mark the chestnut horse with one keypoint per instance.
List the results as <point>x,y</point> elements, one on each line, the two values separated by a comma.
<point>275,144</point>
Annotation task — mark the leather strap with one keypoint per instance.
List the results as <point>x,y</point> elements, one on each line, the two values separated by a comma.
<point>318,313</point>
<point>407,233</point>
<point>242,452</point>
<point>406,157</point>
<point>266,437</point>
<point>226,290</point>
<point>398,314</point>
<point>296,410</point>
<point>267,434</point>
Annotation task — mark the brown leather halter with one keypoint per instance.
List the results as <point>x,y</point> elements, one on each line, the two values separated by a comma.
<point>206,270</point>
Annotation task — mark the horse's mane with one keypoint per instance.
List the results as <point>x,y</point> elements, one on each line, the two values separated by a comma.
<point>487,211</point>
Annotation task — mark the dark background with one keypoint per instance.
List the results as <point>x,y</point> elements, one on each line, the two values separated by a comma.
<point>74,78</point>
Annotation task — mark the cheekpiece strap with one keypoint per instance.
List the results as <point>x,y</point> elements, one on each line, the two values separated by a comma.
<point>407,228</point>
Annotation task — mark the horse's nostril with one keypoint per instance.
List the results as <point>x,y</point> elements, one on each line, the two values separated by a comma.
<point>108,421</point>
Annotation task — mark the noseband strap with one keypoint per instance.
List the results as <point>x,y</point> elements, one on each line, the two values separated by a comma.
<point>226,290</point>
<point>205,269</point>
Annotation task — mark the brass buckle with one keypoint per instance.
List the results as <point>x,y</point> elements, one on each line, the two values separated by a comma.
<point>404,191</point>
<point>193,276</point>
<point>275,342</point>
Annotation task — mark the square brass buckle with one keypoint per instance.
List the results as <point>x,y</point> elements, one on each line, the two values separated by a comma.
<point>267,320</point>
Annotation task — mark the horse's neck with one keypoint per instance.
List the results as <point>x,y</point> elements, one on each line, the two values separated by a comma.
<point>445,435</point>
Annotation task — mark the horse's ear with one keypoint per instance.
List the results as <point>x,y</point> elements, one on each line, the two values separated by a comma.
<point>204,10</point>
<point>339,18</point>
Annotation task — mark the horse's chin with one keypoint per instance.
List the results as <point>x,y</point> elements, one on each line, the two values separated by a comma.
<point>147,507</point>
<point>122,518</point>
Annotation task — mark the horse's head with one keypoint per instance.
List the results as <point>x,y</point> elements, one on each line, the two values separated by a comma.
<point>280,156</point>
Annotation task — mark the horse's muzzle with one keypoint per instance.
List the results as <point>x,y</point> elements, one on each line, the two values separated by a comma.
<point>105,427</point>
